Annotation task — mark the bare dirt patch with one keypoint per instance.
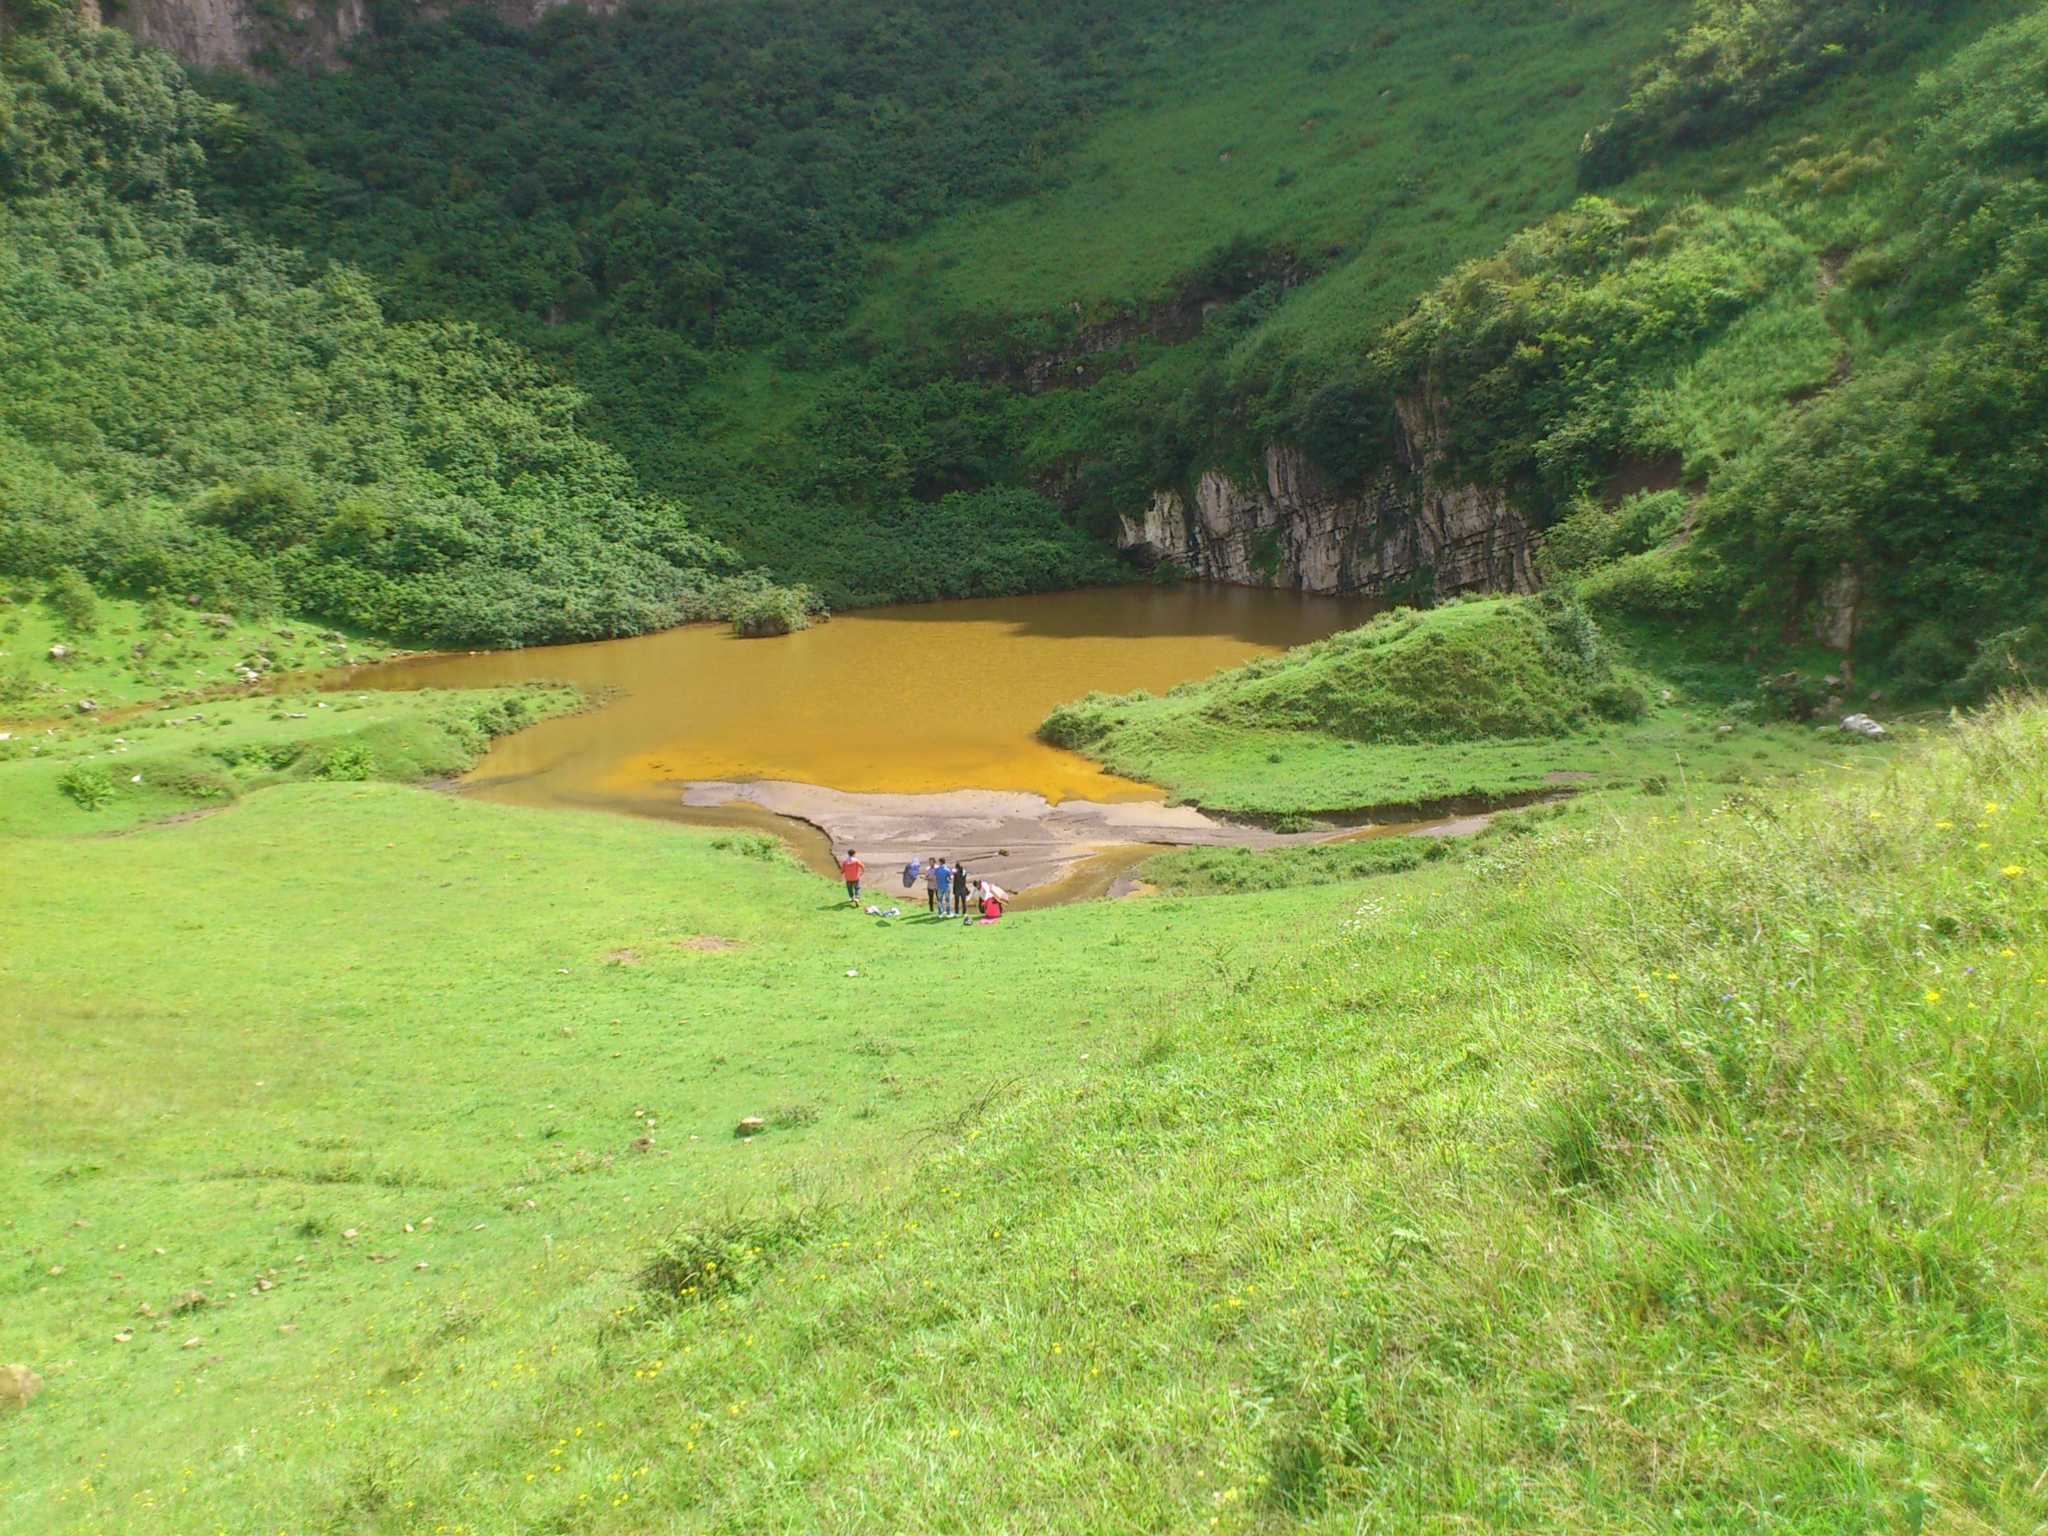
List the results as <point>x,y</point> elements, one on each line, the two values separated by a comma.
<point>709,943</point>
<point>621,957</point>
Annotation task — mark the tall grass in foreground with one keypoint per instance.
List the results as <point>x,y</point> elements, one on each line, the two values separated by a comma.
<point>1677,1173</point>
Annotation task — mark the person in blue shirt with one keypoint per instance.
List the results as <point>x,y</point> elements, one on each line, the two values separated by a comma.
<point>942,888</point>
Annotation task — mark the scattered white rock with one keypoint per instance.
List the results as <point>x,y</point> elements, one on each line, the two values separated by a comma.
<point>59,652</point>
<point>86,706</point>
<point>752,1125</point>
<point>1863,725</point>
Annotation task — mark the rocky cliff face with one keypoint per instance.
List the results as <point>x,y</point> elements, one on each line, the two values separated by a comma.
<point>250,35</point>
<point>1410,532</point>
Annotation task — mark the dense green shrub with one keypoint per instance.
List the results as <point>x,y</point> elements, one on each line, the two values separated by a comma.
<point>192,413</point>
<point>1736,64</point>
<point>71,598</point>
<point>777,611</point>
<point>1924,473</point>
<point>1618,700</point>
<point>1596,532</point>
<point>346,761</point>
<point>2013,660</point>
<point>89,784</point>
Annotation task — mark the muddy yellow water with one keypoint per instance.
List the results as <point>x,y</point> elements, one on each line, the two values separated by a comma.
<point>922,697</point>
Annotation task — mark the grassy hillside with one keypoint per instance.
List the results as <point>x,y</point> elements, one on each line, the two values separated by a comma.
<point>1381,144</point>
<point>205,418</point>
<point>1469,704</point>
<point>1275,223</point>
<point>648,198</point>
<point>1671,1155</point>
<point>776,295</point>
<point>301,1028</point>
<point>202,756</point>
<point>1466,672</point>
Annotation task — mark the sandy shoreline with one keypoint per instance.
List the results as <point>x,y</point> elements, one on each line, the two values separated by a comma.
<point>1022,841</point>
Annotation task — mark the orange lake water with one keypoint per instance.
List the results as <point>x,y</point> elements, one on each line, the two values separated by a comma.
<point>923,697</point>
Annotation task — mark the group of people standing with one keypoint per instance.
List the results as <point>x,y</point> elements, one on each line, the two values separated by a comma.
<point>948,892</point>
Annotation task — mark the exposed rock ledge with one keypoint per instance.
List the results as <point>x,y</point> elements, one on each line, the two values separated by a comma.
<point>294,34</point>
<point>1409,531</point>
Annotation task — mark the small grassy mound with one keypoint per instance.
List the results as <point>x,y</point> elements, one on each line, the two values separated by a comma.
<point>1470,674</point>
<point>105,775</point>
<point>1502,667</point>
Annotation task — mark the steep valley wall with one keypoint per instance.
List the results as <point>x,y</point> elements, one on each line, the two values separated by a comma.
<point>1408,532</point>
<point>251,35</point>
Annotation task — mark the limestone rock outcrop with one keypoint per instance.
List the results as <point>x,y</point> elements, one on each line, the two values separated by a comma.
<point>1410,531</point>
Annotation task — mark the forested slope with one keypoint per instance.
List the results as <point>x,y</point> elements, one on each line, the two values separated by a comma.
<point>908,305</point>
<point>1732,302</point>
<point>191,412</point>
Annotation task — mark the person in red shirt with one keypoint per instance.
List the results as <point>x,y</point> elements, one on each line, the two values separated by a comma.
<point>852,869</point>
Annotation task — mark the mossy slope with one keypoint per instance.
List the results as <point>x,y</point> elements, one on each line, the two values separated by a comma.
<point>1476,674</point>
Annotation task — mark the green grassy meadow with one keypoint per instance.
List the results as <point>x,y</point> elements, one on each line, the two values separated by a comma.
<point>343,1008</point>
<point>119,652</point>
<point>1671,1156</point>
<point>1301,773</point>
<point>370,1166</point>
<point>1468,705</point>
